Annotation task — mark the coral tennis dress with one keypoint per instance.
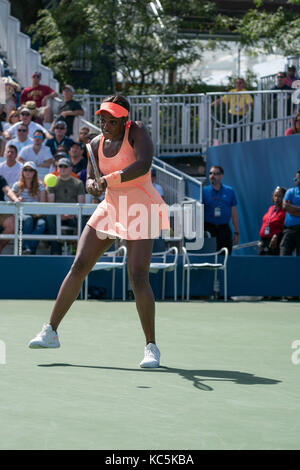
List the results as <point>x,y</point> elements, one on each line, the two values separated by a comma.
<point>132,210</point>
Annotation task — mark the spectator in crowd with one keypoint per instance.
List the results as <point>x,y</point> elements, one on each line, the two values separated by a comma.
<point>22,139</point>
<point>291,233</point>
<point>157,186</point>
<point>295,129</point>
<point>40,94</point>
<point>219,208</point>
<point>281,86</point>
<point>238,105</point>
<point>34,111</point>
<point>7,221</point>
<point>69,190</point>
<point>60,138</point>
<point>61,153</point>
<point>11,90</point>
<point>69,109</point>
<point>84,138</point>
<point>291,75</point>
<point>11,169</point>
<point>13,117</point>
<point>30,189</point>
<point>25,118</point>
<point>79,163</point>
<point>272,225</point>
<point>37,152</point>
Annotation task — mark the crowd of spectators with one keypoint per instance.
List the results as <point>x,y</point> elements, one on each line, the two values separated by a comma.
<point>34,138</point>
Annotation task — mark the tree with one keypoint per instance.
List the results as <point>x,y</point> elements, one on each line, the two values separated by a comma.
<point>137,41</point>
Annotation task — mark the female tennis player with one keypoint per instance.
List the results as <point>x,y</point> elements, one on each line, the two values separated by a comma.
<point>132,210</point>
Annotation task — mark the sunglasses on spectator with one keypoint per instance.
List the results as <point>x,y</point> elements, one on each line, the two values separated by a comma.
<point>63,166</point>
<point>28,169</point>
<point>214,173</point>
<point>296,180</point>
<point>22,130</point>
<point>280,76</point>
<point>25,114</point>
<point>39,137</point>
<point>60,127</point>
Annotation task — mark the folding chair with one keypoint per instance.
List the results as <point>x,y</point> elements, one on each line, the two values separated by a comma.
<point>217,265</point>
<point>164,266</point>
<point>112,265</point>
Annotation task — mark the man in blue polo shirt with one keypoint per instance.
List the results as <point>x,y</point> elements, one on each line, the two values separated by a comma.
<point>219,209</point>
<point>291,233</point>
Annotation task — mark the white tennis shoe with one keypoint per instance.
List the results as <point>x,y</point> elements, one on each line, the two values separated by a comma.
<point>47,338</point>
<point>151,356</point>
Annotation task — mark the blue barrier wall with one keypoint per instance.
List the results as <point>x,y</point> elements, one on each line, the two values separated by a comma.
<point>254,169</point>
<point>40,277</point>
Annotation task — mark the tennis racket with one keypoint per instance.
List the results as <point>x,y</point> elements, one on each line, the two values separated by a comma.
<point>94,164</point>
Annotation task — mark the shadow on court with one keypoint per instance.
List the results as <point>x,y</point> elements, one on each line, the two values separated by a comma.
<point>197,377</point>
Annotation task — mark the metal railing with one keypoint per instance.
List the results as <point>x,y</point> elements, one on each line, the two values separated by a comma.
<point>186,125</point>
<point>43,208</point>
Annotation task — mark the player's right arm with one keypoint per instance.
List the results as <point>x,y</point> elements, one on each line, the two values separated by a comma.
<point>90,184</point>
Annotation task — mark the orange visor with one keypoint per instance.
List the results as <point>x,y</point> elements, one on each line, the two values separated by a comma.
<point>112,108</point>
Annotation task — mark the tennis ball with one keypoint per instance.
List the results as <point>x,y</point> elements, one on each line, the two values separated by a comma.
<point>50,180</point>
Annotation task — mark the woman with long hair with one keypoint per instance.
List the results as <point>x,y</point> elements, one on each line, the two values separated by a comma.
<point>124,155</point>
<point>30,189</point>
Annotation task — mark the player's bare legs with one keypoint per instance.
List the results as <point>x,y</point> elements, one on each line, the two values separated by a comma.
<point>139,258</point>
<point>89,249</point>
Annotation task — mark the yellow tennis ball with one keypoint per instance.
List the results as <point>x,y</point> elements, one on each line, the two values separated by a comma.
<point>50,180</point>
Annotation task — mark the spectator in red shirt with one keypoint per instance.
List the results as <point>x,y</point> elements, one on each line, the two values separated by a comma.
<point>272,225</point>
<point>40,94</point>
<point>295,129</point>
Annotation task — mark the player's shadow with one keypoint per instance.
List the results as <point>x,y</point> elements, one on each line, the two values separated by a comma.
<point>196,377</point>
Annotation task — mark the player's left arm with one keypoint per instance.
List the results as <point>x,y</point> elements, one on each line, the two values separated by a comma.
<point>143,148</point>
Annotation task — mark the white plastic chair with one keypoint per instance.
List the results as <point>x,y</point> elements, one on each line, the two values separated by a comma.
<point>215,266</point>
<point>164,266</point>
<point>112,265</point>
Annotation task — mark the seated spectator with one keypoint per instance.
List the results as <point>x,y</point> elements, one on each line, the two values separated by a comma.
<point>69,190</point>
<point>272,225</point>
<point>295,129</point>
<point>40,94</point>
<point>30,189</point>
<point>291,232</point>
<point>69,109</point>
<point>11,89</point>
<point>13,117</point>
<point>61,153</point>
<point>84,138</point>
<point>11,169</point>
<point>79,163</point>
<point>291,75</point>
<point>7,221</point>
<point>37,152</point>
<point>59,138</point>
<point>157,186</point>
<point>22,139</point>
<point>25,118</point>
<point>34,112</point>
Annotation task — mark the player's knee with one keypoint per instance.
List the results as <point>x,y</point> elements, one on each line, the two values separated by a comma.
<point>79,268</point>
<point>139,277</point>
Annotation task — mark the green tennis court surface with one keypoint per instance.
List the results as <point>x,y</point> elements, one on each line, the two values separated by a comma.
<point>226,381</point>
